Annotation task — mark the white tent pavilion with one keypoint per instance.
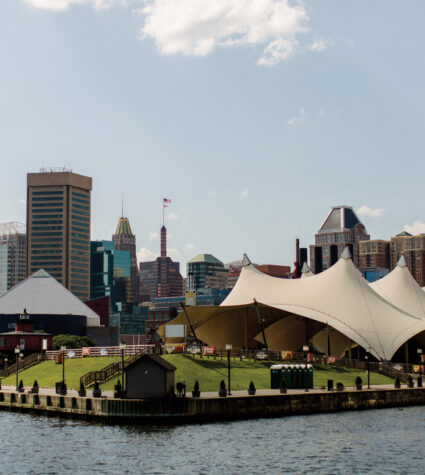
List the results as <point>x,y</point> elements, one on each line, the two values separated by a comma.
<point>338,298</point>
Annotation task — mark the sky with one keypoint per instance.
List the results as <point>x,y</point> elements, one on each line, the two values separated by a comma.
<point>253,116</point>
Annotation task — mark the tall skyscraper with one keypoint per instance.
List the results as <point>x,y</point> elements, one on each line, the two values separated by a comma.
<point>161,278</point>
<point>12,255</point>
<point>125,240</point>
<point>341,228</point>
<point>58,227</point>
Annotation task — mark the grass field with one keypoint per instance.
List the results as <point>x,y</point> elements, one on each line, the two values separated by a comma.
<point>207,371</point>
<point>48,373</point>
<point>210,372</point>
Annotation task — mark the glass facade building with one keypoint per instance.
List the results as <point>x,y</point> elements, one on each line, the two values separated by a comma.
<point>110,273</point>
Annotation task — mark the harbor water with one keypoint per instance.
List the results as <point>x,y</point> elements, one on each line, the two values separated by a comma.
<point>376,441</point>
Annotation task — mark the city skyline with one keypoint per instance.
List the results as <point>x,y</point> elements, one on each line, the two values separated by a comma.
<point>253,149</point>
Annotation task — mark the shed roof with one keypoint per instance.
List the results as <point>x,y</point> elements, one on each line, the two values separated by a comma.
<point>157,359</point>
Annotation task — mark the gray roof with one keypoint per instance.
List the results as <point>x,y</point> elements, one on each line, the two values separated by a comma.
<point>338,219</point>
<point>41,294</point>
<point>157,359</point>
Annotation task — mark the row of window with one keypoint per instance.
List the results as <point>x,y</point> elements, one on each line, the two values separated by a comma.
<point>86,202</point>
<point>77,246</point>
<point>74,193</point>
<point>40,239</point>
<point>38,233</point>
<point>45,205</point>
<point>41,212</point>
<point>57,192</point>
<point>79,211</point>
<point>38,246</point>
<point>74,205</point>
<point>50,221</point>
<point>46,228</point>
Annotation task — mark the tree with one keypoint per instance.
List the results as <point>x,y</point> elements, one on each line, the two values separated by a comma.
<point>72,341</point>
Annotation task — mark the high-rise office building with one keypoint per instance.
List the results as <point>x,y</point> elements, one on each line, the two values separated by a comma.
<point>161,278</point>
<point>58,227</point>
<point>204,271</point>
<point>413,249</point>
<point>340,229</point>
<point>110,274</point>
<point>125,240</point>
<point>12,255</point>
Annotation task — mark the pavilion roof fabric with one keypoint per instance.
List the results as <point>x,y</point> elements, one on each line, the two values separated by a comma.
<point>401,289</point>
<point>339,297</point>
<point>41,294</point>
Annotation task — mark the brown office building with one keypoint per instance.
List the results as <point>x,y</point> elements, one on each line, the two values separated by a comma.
<point>161,278</point>
<point>340,229</point>
<point>413,249</point>
<point>374,253</point>
<point>58,227</point>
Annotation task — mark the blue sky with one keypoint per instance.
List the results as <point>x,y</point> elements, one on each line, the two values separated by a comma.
<point>253,117</point>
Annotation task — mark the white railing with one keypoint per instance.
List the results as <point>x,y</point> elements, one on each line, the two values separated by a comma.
<point>95,351</point>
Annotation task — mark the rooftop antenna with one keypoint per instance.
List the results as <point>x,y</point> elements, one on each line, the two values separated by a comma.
<point>122,205</point>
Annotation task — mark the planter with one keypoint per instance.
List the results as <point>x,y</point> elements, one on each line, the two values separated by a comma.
<point>339,388</point>
<point>251,392</point>
<point>359,387</point>
<point>62,392</point>
<point>97,392</point>
<point>222,392</point>
<point>397,385</point>
<point>33,390</point>
<point>283,390</point>
<point>410,385</point>
<point>20,390</point>
<point>82,393</point>
<point>196,393</point>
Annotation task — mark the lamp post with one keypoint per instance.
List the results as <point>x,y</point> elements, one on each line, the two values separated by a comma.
<point>419,350</point>
<point>17,350</point>
<point>228,348</point>
<point>122,347</point>
<point>306,349</point>
<point>63,348</point>
<point>367,370</point>
<point>5,362</point>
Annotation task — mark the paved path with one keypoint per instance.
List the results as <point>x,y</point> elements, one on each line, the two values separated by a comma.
<point>211,394</point>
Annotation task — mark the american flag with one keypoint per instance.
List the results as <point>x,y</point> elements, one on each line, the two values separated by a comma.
<point>166,200</point>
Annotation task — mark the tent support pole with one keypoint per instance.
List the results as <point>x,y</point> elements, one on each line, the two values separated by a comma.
<point>406,352</point>
<point>190,323</point>
<point>260,322</point>
<point>246,329</point>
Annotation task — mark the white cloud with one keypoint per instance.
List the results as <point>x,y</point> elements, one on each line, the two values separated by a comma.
<point>197,27</point>
<point>244,193</point>
<point>144,255</point>
<point>319,44</point>
<point>63,5</point>
<point>418,227</point>
<point>189,247</point>
<point>22,201</point>
<point>370,212</point>
<point>174,253</point>
<point>153,235</point>
<point>322,112</point>
<point>173,216</point>
<point>298,120</point>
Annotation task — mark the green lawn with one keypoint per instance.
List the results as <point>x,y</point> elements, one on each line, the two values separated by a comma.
<point>210,372</point>
<point>48,373</point>
<point>207,371</point>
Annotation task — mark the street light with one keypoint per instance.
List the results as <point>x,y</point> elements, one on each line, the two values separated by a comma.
<point>17,350</point>
<point>419,350</point>
<point>228,348</point>
<point>367,370</point>
<point>5,362</point>
<point>122,348</point>
<point>306,349</point>
<point>63,348</point>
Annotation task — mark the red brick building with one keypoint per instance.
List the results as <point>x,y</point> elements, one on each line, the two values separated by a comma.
<point>25,338</point>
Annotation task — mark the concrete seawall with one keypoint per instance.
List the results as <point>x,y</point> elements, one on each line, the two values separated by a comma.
<point>186,410</point>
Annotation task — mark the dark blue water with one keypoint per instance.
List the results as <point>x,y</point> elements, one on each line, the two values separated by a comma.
<point>378,441</point>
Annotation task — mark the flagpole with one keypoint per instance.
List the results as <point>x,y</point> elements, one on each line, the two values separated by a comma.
<point>163,214</point>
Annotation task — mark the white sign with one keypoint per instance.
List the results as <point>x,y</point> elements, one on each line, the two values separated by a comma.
<point>175,331</point>
<point>228,346</point>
